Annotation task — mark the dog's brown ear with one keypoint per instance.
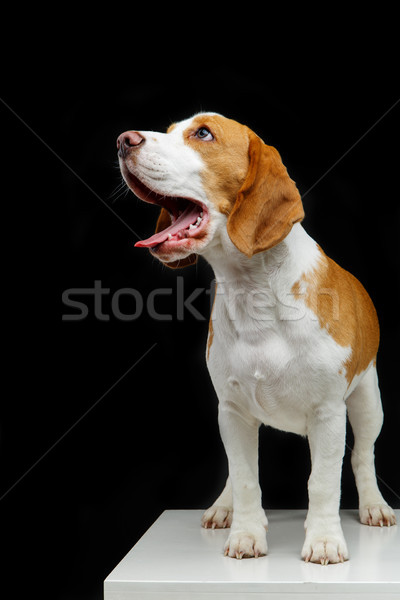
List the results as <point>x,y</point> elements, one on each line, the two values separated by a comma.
<point>164,221</point>
<point>267,205</point>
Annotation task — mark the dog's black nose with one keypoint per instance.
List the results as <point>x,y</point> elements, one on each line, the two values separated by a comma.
<point>128,140</point>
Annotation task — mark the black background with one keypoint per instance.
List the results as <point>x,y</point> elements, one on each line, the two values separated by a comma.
<point>76,496</point>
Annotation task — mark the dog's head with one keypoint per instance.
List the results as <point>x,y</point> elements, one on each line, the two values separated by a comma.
<point>209,174</point>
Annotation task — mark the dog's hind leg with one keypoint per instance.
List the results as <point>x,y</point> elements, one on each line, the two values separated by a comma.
<point>366,417</point>
<point>219,515</point>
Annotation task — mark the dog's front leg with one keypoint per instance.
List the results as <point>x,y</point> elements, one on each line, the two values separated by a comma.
<point>324,541</point>
<point>240,437</point>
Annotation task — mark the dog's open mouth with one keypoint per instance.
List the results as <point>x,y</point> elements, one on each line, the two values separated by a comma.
<point>188,217</point>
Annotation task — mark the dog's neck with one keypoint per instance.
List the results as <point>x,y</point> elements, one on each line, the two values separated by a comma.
<point>284,263</point>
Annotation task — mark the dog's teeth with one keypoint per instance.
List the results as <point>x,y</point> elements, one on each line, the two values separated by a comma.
<point>169,236</point>
<point>192,226</point>
<point>198,221</point>
<point>201,214</point>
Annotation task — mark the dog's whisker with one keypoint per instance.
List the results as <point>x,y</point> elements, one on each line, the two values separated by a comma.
<point>122,194</point>
<point>120,191</point>
<point>118,187</point>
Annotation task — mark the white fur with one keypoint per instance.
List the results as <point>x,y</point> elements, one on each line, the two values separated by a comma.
<point>271,362</point>
<point>167,165</point>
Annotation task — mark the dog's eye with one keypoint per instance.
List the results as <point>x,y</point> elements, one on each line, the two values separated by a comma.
<point>204,134</point>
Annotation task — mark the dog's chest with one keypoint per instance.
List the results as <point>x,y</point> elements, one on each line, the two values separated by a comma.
<point>259,365</point>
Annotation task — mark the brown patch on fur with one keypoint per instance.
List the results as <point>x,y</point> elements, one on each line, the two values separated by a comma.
<point>267,205</point>
<point>296,289</point>
<point>344,309</point>
<point>248,182</point>
<point>226,157</point>
<point>171,127</point>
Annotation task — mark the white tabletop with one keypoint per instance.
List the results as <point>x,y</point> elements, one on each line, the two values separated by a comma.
<point>177,559</point>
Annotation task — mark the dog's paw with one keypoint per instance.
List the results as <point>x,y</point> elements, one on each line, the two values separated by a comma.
<point>377,515</point>
<point>249,542</point>
<point>325,549</point>
<point>217,517</point>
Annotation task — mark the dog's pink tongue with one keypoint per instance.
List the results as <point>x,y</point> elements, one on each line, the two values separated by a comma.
<point>188,217</point>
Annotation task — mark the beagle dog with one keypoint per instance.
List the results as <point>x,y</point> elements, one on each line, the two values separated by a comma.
<point>293,337</point>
